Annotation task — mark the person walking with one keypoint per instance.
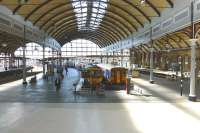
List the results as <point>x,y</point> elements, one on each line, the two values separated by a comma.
<point>66,69</point>
<point>59,77</point>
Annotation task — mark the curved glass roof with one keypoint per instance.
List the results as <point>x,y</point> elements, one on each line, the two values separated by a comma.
<point>103,22</point>
<point>89,14</point>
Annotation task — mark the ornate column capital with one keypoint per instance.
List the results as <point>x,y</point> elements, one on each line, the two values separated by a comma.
<point>193,41</point>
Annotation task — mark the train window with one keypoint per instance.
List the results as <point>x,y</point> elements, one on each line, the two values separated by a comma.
<point>95,73</point>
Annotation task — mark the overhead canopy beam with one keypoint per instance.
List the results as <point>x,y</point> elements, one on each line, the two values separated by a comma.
<point>170,3</point>
<point>106,20</point>
<point>106,17</point>
<point>68,31</point>
<point>68,10</point>
<point>113,33</point>
<point>153,7</point>
<point>83,36</point>
<point>185,42</point>
<point>64,4</point>
<point>106,23</point>
<point>106,39</point>
<point>89,37</point>
<point>138,9</point>
<point>109,33</point>
<point>36,9</point>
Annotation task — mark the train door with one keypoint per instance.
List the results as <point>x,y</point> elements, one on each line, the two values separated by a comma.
<point>123,77</point>
<point>118,75</point>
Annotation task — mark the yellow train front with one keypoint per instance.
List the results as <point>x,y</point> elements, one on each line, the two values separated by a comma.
<point>118,76</point>
<point>115,76</point>
<point>93,75</point>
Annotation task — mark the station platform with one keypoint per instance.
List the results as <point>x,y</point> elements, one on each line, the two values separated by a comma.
<point>165,73</point>
<point>39,108</point>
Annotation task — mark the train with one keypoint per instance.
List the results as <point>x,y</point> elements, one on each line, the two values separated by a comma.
<point>116,76</point>
<point>93,76</point>
<point>113,76</point>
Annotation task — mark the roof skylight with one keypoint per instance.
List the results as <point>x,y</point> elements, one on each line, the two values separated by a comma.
<point>89,14</point>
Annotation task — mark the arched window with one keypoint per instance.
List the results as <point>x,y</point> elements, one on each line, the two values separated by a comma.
<point>80,47</point>
<point>33,54</point>
<point>33,51</point>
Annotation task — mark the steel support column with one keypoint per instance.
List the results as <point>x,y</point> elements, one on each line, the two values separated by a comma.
<point>24,64</point>
<point>24,57</point>
<point>43,62</point>
<point>107,58</point>
<point>101,58</point>
<point>60,58</point>
<point>122,58</point>
<point>192,95</point>
<point>151,66</point>
<point>113,56</point>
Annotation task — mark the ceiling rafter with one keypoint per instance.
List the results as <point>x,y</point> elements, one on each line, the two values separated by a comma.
<point>143,49</point>
<point>175,41</point>
<point>118,21</point>
<point>90,37</point>
<point>110,34</point>
<point>153,45</point>
<point>104,42</point>
<point>130,14</point>
<point>111,4</point>
<point>17,8</point>
<point>153,7</point>
<point>161,44</point>
<point>139,10</point>
<point>108,21</point>
<point>65,11</point>
<point>185,42</point>
<point>166,41</point>
<point>70,29</point>
<point>105,39</point>
<point>53,31</point>
<point>170,3</point>
<point>100,43</point>
<point>158,45</point>
<point>106,17</point>
<point>74,21</point>
<point>104,28</point>
<point>36,9</point>
<point>168,38</point>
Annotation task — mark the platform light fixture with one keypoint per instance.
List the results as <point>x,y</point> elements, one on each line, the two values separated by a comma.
<point>142,2</point>
<point>4,44</point>
<point>22,1</point>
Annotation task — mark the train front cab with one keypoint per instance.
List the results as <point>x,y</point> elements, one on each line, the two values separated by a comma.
<point>117,79</point>
<point>95,76</point>
<point>118,75</point>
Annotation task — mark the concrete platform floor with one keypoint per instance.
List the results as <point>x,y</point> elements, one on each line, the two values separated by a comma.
<point>165,89</point>
<point>39,108</point>
<point>44,92</point>
<point>99,117</point>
